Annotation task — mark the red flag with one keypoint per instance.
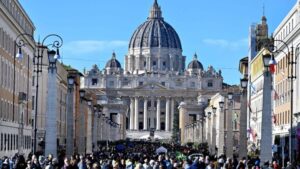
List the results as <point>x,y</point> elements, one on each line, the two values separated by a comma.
<point>272,68</point>
<point>274,118</point>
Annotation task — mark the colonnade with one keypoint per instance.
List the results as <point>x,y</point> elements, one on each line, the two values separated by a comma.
<point>152,114</point>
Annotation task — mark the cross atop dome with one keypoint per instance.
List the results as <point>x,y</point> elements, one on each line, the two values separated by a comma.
<point>195,56</point>
<point>155,12</point>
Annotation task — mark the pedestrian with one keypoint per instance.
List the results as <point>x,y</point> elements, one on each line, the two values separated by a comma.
<point>241,165</point>
<point>275,165</point>
<point>66,163</point>
<point>28,164</point>
<point>5,164</point>
<point>288,165</point>
<point>35,164</point>
<point>82,163</point>
<point>20,162</point>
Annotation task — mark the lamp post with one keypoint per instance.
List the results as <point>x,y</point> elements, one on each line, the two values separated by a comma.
<point>97,115</point>
<point>51,113</point>
<point>89,142</point>
<point>243,119</point>
<point>70,114</point>
<point>209,131</point>
<point>19,42</point>
<point>214,110</point>
<point>81,133</point>
<point>22,100</point>
<point>291,66</point>
<point>229,133</point>
<point>221,127</point>
<point>37,61</point>
<point>266,128</point>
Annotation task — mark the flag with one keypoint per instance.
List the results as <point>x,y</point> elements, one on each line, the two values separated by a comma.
<point>272,65</point>
<point>272,68</point>
<point>274,118</point>
<point>252,133</point>
<point>249,106</point>
<point>275,94</point>
<point>253,89</point>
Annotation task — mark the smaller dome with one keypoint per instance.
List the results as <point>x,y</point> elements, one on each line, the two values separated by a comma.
<point>113,62</point>
<point>195,64</point>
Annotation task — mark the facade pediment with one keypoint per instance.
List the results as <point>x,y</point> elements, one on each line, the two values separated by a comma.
<point>152,86</point>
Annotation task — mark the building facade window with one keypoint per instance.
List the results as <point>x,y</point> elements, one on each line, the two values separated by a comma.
<point>94,81</point>
<point>210,83</point>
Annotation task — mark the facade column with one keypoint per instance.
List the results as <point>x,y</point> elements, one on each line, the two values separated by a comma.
<point>136,113</point>
<point>145,113</point>
<point>167,114</point>
<point>131,120</point>
<point>158,114</point>
<point>172,113</point>
<point>182,122</point>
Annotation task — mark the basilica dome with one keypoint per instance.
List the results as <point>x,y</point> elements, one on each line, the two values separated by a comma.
<point>113,62</point>
<point>195,64</point>
<point>155,32</point>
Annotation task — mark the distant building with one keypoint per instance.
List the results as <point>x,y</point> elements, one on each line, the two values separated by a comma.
<point>15,80</point>
<point>259,40</point>
<point>288,32</point>
<point>154,81</point>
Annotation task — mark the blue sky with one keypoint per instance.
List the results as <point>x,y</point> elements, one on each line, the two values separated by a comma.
<point>217,30</point>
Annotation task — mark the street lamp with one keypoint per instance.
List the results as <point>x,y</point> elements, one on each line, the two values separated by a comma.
<point>229,138</point>
<point>244,83</point>
<point>37,61</point>
<point>214,110</point>
<point>230,96</point>
<point>221,104</point>
<point>70,110</point>
<point>51,113</point>
<point>291,65</point>
<point>81,93</point>
<point>19,42</point>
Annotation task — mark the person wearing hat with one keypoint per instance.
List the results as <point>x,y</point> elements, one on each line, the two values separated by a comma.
<point>5,164</point>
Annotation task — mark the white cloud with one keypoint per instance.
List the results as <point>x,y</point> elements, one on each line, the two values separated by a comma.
<point>226,43</point>
<point>82,47</point>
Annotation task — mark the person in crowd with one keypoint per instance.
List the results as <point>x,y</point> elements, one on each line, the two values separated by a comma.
<point>20,162</point>
<point>82,163</point>
<point>275,165</point>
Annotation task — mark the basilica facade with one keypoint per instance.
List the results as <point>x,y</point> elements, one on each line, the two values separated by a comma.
<point>153,82</point>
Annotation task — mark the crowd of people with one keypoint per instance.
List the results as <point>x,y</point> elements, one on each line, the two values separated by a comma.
<point>137,156</point>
